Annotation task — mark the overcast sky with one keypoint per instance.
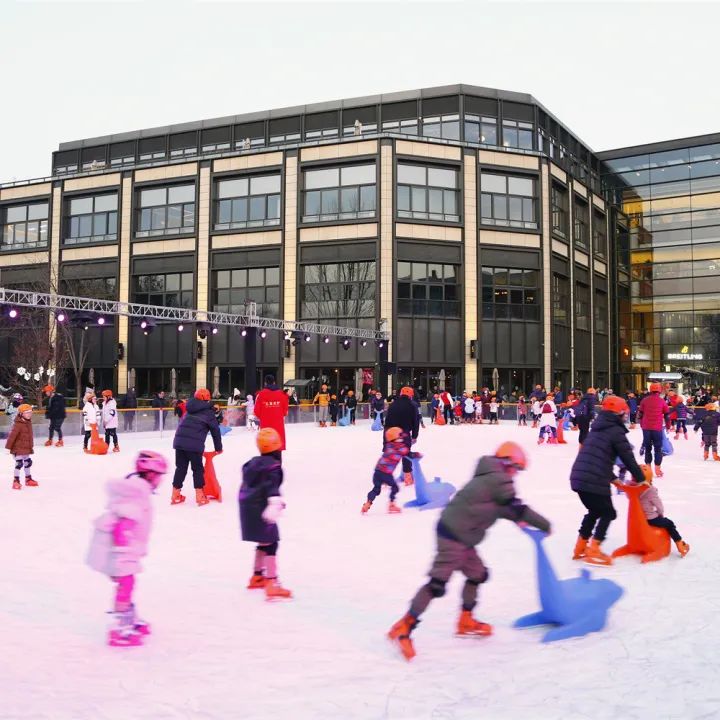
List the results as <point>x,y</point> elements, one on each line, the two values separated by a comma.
<point>616,74</point>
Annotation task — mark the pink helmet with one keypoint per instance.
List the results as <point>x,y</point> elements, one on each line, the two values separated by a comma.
<point>151,462</point>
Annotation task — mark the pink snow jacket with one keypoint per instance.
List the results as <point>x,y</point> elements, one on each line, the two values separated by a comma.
<point>652,412</point>
<point>116,551</point>
<point>651,503</point>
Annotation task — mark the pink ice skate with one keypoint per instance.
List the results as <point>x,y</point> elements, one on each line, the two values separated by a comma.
<point>123,632</point>
<point>140,625</point>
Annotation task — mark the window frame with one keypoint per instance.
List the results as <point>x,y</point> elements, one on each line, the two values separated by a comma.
<point>410,302</point>
<point>563,231</point>
<point>581,222</point>
<point>485,303</point>
<point>507,227</point>
<point>182,230</point>
<point>340,285</point>
<point>23,247</point>
<point>335,218</point>
<point>560,301</point>
<point>230,307</point>
<point>108,238</point>
<point>599,238</point>
<point>579,303</point>
<point>137,294</point>
<point>215,205</point>
<point>426,166</point>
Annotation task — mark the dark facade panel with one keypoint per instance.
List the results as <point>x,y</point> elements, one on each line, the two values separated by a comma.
<point>80,271</point>
<point>164,347</point>
<point>516,344</point>
<point>400,111</point>
<point>518,111</point>
<point>494,257</point>
<point>601,353</point>
<point>582,275</point>
<point>561,347</point>
<point>322,121</point>
<point>246,258</point>
<point>582,350</point>
<point>560,266</point>
<point>427,252</point>
<point>481,106</point>
<point>338,252</point>
<point>164,264</point>
<point>228,348</point>
<point>441,106</point>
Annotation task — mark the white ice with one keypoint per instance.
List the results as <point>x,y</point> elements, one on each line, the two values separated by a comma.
<point>221,651</point>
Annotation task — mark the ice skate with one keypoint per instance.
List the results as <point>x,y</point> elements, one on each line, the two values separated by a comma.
<point>141,626</point>
<point>201,497</point>
<point>408,478</point>
<point>683,548</point>
<point>595,556</point>
<point>580,548</point>
<point>540,441</point>
<point>400,634</point>
<point>48,443</point>
<point>29,482</point>
<point>86,451</point>
<point>658,471</point>
<point>366,506</point>
<point>275,591</point>
<point>257,582</point>
<point>393,508</point>
<point>123,633</point>
<point>17,485</point>
<point>716,457</point>
<point>59,443</point>
<point>677,436</point>
<point>468,626</point>
<point>706,455</point>
<point>176,497</point>
<point>685,435</point>
<point>116,448</point>
<point>553,441</point>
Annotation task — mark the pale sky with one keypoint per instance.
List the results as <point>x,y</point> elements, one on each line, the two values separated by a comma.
<point>616,74</point>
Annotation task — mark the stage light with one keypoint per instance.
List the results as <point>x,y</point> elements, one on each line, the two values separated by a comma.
<point>214,330</point>
<point>61,317</point>
<point>12,313</point>
<point>263,334</point>
<point>181,327</point>
<point>243,332</point>
<point>326,339</point>
<point>381,343</point>
<point>306,338</point>
<point>101,320</point>
<point>363,343</point>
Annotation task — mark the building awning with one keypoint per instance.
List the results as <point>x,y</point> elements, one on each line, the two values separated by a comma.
<point>296,383</point>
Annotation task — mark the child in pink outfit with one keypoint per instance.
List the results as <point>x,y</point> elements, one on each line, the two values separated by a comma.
<point>121,539</point>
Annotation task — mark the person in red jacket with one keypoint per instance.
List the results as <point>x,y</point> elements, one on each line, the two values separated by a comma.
<point>652,413</point>
<point>271,407</point>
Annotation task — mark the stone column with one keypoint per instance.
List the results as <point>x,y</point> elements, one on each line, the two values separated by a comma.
<point>290,258</point>
<point>124,277</point>
<point>203,269</point>
<point>470,282</point>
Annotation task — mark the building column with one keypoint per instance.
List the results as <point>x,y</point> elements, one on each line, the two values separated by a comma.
<point>385,271</point>
<point>591,284</point>
<point>54,258</point>
<point>203,270</point>
<point>124,278</point>
<point>547,277</point>
<point>571,266</point>
<point>470,239</point>
<point>290,259</point>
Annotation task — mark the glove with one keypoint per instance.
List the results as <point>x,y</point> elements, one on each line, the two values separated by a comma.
<point>271,514</point>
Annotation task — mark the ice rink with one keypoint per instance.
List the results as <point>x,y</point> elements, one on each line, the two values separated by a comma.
<point>221,651</point>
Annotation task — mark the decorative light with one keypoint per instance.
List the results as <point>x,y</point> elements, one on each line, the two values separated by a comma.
<point>143,323</point>
<point>181,327</point>
<point>214,330</point>
<point>363,343</point>
<point>381,343</point>
<point>36,377</point>
<point>101,320</point>
<point>61,317</point>
<point>326,339</point>
<point>306,338</point>
<point>263,334</point>
<point>243,332</point>
<point>13,313</point>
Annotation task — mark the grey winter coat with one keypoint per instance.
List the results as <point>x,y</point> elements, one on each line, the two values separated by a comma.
<point>489,496</point>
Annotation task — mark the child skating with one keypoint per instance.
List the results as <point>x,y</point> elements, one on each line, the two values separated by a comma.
<point>681,414</point>
<point>522,411</point>
<point>592,473</point>
<point>121,539</point>
<point>396,447</point>
<point>110,419</point>
<point>494,409</point>
<point>654,512</point>
<point>20,445</point>
<point>333,410</point>
<point>488,497</point>
<point>260,508</point>
<point>91,416</point>
<point>709,425</point>
<point>548,421</point>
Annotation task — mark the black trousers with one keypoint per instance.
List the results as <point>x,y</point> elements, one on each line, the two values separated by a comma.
<point>183,458</point>
<point>583,422</point>
<point>56,427</point>
<point>653,440</point>
<point>448,415</point>
<point>128,419</point>
<point>86,438</point>
<point>680,424</point>
<point>379,479</point>
<point>669,525</point>
<point>600,512</point>
<point>111,433</point>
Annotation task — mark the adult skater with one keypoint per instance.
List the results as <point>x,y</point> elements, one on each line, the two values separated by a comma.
<point>489,496</point>
<point>403,413</point>
<point>271,408</point>
<point>189,444</point>
<point>585,412</point>
<point>55,413</point>
<point>653,413</point>
<point>129,405</point>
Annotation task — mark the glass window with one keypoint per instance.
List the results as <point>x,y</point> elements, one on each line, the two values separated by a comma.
<point>24,226</point>
<point>581,222</point>
<point>91,219</point>
<point>341,193</point>
<point>582,306</point>
<point>518,134</point>
<point>508,200</point>
<point>433,291</point>
<point>507,294</point>
<point>247,202</point>
<point>337,291</point>
<point>166,210</point>
<point>427,193</point>
<point>164,289</point>
<point>560,300</point>
<point>559,208</point>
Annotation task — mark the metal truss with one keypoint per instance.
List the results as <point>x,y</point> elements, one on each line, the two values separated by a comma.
<point>67,303</point>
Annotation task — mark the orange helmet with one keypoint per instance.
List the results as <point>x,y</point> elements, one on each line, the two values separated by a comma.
<point>268,440</point>
<point>393,433</point>
<point>655,387</point>
<point>711,406</point>
<point>24,408</point>
<point>202,394</point>
<point>350,392</point>
<point>407,391</point>
<point>591,390</point>
<point>49,389</point>
<point>615,404</point>
<point>106,393</point>
<point>513,453</point>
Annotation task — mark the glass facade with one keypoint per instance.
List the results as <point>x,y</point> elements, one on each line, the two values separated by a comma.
<point>667,242</point>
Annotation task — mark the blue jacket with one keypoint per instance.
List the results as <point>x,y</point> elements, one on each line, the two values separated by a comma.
<point>199,420</point>
<point>632,404</point>
<point>587,405</point>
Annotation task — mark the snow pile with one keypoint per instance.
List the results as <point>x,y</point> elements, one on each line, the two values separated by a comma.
<point>220,651</point>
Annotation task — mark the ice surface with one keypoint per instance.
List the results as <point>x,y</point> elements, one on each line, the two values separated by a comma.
<point>220,651</point>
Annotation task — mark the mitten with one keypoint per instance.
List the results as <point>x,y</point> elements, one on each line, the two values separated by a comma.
<point>271,514</point>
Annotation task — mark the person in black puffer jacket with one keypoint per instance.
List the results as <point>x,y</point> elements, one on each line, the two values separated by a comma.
<point>592,473</point>
<point>585,412</point>
<point>189,444</point>
<point>403,413</point>
<point>709,423</point>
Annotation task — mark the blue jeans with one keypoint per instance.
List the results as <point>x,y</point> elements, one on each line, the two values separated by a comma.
<point>653,440</point>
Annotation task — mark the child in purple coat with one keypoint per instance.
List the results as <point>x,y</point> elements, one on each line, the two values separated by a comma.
<point>121,539</point>
<point>681,414</point>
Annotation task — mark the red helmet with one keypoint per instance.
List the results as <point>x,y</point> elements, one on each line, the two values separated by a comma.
<point>615,404</point>
<point>49,389</point>
<point>268,440</point>
<point>202,394</point>
<point>106,393</point>
<point>407,391</point>
<point>655,387</point>
<point>513,453</point>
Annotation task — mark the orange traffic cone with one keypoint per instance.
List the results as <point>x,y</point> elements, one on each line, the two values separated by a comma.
<point>212,487</point>
<point>97,445</point>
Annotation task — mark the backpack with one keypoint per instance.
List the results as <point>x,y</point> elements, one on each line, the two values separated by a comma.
<point>547,408</point>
